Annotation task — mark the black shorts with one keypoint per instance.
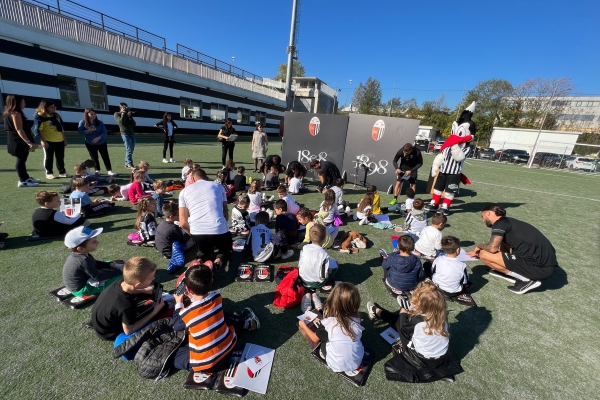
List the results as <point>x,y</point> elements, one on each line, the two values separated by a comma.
<point>447,182</point>
<point>523,267</point>
<point>412,180</point>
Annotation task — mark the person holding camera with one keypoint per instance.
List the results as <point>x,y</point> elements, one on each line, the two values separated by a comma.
<point>226,145</point>
<point>126,123</point>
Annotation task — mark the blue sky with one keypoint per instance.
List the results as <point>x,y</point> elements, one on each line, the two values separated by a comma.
<point>426,48</point>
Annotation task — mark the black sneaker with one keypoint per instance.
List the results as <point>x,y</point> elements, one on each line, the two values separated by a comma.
<point>497,274</point>
<point>521,287</point>
<point>433,208</point>
<point>443,210</point>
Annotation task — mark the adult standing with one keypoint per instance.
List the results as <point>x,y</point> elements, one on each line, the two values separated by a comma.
<point>126,123</point>
<point>49,126</point>
<point>411,160</point>
<point>516,252</point>
<point>19,140</point>
<point>95,139</point>
<point>203,214</point>
<point>260,145</point>
<point>226,146</point>
<point>168,126</point>
<point>328,173</point>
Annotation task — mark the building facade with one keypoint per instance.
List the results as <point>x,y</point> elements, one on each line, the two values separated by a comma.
<point>312,95</point>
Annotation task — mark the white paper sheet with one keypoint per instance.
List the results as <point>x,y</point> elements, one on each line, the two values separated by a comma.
<point>255,382</point>
<point>390,335</point>
<point>464,257</point>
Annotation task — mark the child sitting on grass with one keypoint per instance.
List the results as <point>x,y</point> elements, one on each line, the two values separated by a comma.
<point>429,244</point>
<point>364,209</point>
<point>117,308</point>
<point>339,331</point>
<point>189,180</point>
<point>377,209</point>
<point>222,180</point>
<point>240,219</point>
<point>272,178</point>
<point>328,207</point>
<point>48,221</point>
<point>159,190</point>
<point>119,193</point>
<point>89,208</point>
<point>145,222</point>
<point>259,244</point>
<point>212,331</point>
<point>81,172</point>
<point>292,206</point>
<point>410,199</point>
<point>228,172</point>
<point>96,176</point>
<point>449,274</point>
<point>82,274</point>
<point>402,270</point>
<point>315,268</point>
<point>255,197</point>
<point>136,189</point>
<point>295,185</point>
<point>144,166</point>
<point>188,166</point>
<point>168,232</point>
<point>239,181</point>
<point>306,218</point>
<point>287,224</point>
<point>416,220</point>
<point>338,189</point>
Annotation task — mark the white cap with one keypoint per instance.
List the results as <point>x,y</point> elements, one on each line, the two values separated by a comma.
<point>79,235</point>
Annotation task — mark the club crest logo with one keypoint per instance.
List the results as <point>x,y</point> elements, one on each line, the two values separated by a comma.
<point>378,130</point>
<point>314,126</point>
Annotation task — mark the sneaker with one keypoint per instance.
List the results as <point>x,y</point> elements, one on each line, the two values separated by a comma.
<point>317,300</point>
<point>129,166</point>
<point>372,309</point>
<point>306,304</point>
<point>165,160</point>
<point>32,179</point>
<point>449,378</point>
<point>364,221</point>
<point>49,176</point>
<point>432,207</point>
<point>110,173</point>
<point>403,301</point>
<point>444,210</point>
<point>27,183</point>
<point>348,210</point>
<point>521,287</point>
<point>497,274</point>
<point>251,319</point>
<point>287,254</point>
<point>65,175</point>
<point>171,160</point>
<point>393,202</point>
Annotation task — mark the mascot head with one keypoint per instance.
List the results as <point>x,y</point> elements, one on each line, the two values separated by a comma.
<point>464,126</point>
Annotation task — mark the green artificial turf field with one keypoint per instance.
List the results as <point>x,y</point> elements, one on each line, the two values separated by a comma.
<point>544,344</point>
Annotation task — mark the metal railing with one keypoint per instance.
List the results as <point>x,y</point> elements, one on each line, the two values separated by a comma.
<point>72,20</point>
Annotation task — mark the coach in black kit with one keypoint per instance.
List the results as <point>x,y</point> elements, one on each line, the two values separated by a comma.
<point>328,173</point>
<point>410,161</point>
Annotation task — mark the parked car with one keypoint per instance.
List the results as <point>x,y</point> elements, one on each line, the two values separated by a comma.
<point>547,160</point>
<point>438,145</point>
<point>580,163</point>
<point>485,153</point>
<point>595,166</point>
<point>514,156</point>
<point>422,145</point>
<point>565,160</point>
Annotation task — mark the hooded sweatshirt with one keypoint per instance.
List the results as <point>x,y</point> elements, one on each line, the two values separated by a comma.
<point>415,221</point>
<point>403,273</point>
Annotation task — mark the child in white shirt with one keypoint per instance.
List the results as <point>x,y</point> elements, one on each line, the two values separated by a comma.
<point>119,193</point>
<point>430,240</point>
<point>328,206</point>
<point>365,209</point>
<point>410,198</point>
<point>338,189</point>
<point>292,206</point>
<point>295,184</point>
<point>416,220</point>
<point>188,165</point>
<point>258,244</point>
<point>448,273</point>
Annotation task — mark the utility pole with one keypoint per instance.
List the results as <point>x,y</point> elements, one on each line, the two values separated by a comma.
<point>346,102</point>
<point>291,50</point>
<point>392,101</point>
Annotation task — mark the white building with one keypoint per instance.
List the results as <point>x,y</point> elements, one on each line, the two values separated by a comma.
<point>312,95</point>
<point>580,113</point>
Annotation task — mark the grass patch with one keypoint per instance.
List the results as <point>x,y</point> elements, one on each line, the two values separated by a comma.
<point>544,344</point>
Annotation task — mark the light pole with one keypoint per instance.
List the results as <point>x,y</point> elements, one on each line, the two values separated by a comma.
<point>346,102</point>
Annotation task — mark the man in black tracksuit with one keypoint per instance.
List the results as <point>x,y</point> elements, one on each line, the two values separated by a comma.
<point>410,161</point>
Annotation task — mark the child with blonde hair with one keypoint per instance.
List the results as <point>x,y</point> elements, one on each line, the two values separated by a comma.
<point>144,166</point>
<point>160,189</point>
<point>145,223</point>
<point>365,209</point>
<point>136,190</point>
<point>188,166</point>
<point>256,198</point>
<point>424,336</point>
<point>328,206</point>
<point>189,179</point>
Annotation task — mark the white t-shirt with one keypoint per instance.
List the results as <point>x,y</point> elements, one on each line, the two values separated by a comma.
<point>314,263</point>
<point>292,206</point>
<point>184,172</point>
<point>416,225</point>
<point>361,215</point>
<point>260,237</point>
<point>170,128</point>
<point>295,184</point>
<point>430,240</point>
<point>343,353</point>
<point>204,201</point>
<point>408,204</point>
<point>430,346</point>
<point>330,213</point>
<point>339,195</point>
<point>449,274</point>
<point>125,191</point>
<point>255,202</point>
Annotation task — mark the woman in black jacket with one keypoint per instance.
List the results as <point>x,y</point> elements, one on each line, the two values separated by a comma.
<point>168,126</point>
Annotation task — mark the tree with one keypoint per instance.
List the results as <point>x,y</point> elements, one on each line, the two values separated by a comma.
<point>367,97</point>
<point>297,70</point>
<point>438,114</point>
<point>393,107</point>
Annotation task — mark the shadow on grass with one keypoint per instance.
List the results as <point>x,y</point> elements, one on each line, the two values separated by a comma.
<point>557,281</point>
<point>371,337</point>
<point>476,277</point>
<point>469,326</point>
<point>465,243</point>
<point>477,206</point>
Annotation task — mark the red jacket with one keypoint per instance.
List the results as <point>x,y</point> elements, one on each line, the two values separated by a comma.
<point>136,192</point>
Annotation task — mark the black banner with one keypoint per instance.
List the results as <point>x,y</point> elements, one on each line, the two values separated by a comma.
<point>309,136</point>
<point>373,141</point>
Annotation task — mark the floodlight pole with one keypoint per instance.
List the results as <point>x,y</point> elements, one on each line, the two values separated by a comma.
<point>291,50</point>
<point>537,139</point>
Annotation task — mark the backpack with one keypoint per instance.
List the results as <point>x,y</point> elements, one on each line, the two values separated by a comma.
<point>289,292</point>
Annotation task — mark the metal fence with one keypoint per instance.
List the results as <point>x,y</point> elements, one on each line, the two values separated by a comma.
<point>72,20</point>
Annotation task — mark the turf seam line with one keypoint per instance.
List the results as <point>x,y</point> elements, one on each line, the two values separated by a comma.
<point>536,191</point>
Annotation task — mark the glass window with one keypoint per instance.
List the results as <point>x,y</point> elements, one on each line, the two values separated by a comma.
<point>97,95</point>
<point>261,117</point>
<point>67,86</point>
<point>190,108</point>
<point>218,112</point>
<point>243,116</point>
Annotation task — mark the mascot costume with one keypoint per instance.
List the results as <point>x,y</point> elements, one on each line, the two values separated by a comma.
<point>450,162</point>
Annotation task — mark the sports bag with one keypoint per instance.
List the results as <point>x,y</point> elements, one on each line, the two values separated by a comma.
<point>289,292</point>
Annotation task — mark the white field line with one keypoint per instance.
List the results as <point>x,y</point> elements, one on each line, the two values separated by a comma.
<point>553,172</point>
<point>536,191</point>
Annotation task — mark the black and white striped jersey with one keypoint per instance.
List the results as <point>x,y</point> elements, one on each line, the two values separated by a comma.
<point>450,165</point>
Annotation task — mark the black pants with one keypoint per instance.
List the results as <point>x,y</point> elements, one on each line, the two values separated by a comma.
<point>21,164</point>
<point>94,149</point>
<point>168,144</point>
<point>55,149</point>
<point>225,148</point>
<point>207,243</point>
<point>389,317</point>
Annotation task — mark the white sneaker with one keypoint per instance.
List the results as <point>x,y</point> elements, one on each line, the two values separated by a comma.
<point>317,300</point>
<point>110,173</point>
<point>341,208</point>
<point>27,183</point>
<point>49,176</point>
<point>65,175</point>
<point>364,221</point>
<point>348,210</point>
<point>287,254</point>
<point>171,160</point>
<point>271,198</point>
<point>306,304</point>
<point>32,179</point>
<point>165,160</point>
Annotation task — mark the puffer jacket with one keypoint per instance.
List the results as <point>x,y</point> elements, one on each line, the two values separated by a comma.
<point>403,273</point>
<point>157,343</point>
